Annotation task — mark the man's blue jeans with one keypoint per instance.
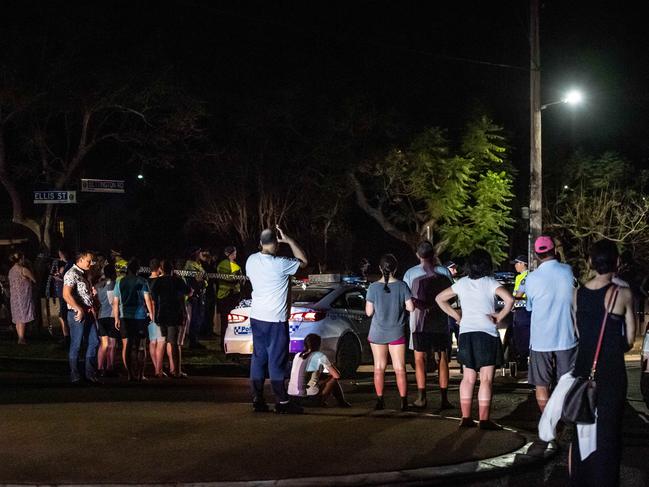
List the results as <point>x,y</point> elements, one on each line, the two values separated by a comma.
<point>84,330</point>
<point>269,353</point>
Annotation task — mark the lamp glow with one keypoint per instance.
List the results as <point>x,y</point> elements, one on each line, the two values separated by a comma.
<point>573,97</point>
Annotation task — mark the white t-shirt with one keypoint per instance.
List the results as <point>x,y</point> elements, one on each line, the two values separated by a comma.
<point>300,383</point>
<point>269,276</point>
<point>478,302</point>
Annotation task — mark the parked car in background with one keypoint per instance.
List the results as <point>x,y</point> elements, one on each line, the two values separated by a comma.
<point>331,306</point>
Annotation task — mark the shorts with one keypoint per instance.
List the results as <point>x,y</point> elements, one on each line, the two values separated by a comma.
<point>155,334</point>
<point>547,367</point>
<point>106,328</point>
<point>398,341</point>
<point>170,332</point>
<point>133,329</point>
<point>430,342</point>
<point>478,349</point>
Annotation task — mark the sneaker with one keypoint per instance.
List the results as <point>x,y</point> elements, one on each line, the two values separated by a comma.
<point>489,425</point>
<point>380,404</point>
<point>260,407</point>
<point>404,404</point>
<point>420,404</point>
<point>467,423</point>
<point>288,408</point>
<point>446,405</point>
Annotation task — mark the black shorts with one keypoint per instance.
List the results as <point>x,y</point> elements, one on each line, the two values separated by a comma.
<point>430,342</point>
<point>63,309</point>
<point>478,349</point>
<point>170,332</point>
<point>106,328</point>
<point>133,329</point>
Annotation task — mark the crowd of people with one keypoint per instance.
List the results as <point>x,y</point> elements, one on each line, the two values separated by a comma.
<point>106,304</point>
<point>565,333</point>
<point>109,306</point>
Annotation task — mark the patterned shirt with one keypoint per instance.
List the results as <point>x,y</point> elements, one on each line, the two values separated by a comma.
<point>81,288</point>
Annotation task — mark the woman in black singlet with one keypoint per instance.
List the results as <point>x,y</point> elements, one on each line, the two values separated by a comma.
<point>602,467</point>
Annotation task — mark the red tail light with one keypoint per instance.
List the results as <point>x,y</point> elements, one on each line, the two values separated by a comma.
<point>234,318</point>
<point>308,316</point>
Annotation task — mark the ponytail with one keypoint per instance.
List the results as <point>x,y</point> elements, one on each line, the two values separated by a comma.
<point>311,344</point>
<point>387,265</point>
<point>386,278</point>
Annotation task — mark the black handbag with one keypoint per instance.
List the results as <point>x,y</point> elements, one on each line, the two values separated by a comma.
<point>580,403</point>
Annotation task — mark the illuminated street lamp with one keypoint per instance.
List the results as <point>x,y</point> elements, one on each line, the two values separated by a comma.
<point>573,97</point>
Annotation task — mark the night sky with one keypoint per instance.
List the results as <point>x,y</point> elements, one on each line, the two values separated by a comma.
<point>425,63</point>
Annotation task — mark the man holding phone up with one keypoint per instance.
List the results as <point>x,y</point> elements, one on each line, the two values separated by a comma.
<point>270,276</point>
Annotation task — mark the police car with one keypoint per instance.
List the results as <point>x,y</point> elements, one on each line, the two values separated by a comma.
<point>326,304</point>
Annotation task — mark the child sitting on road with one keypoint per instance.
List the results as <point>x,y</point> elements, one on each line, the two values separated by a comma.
<point>313,377</point>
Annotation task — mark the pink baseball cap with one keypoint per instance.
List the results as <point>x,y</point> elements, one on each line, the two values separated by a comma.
<point>543,244</point>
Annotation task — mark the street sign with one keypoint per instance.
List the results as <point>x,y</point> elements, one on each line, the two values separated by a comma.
<point>102,186</point>
<point>57,197</point>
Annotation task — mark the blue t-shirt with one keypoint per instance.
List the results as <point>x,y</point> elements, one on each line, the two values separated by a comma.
<point>389,319</point>
<point>131,290</point>
<point>105,293</point>
<point>549,291</point>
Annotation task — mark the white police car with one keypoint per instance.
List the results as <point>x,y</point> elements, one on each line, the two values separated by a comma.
<point>327,305</point>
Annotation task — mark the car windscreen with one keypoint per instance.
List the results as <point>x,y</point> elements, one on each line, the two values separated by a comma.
<point>312,295</point>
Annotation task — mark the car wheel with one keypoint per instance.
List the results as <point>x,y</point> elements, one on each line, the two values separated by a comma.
<point>348,356</point>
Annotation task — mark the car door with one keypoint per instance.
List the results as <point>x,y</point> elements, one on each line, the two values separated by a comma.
<point>355,305</point>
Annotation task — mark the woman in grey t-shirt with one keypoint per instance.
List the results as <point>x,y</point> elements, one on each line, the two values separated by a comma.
<point>387,302</point>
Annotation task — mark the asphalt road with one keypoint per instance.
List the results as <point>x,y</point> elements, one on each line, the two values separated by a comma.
<point>201,429</point>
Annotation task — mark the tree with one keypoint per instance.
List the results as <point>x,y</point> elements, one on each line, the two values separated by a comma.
<point>56,135</point>
<point>462,194</point>
<point>602,199</point>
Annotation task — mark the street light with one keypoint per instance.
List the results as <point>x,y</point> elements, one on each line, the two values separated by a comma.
<point>573,97</point>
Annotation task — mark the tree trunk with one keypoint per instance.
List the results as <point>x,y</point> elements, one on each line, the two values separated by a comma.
<point>378,215</point>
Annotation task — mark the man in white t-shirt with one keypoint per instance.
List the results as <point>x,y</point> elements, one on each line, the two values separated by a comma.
<point>270,276</point>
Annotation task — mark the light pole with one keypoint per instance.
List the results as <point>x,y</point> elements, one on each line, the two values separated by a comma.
<point>573,97</point>
<point>536,165</point>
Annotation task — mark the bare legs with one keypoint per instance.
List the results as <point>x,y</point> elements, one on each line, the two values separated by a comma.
<point>398,357</point>
<point>101,354</point>
<point>485,393</point>
<point>106,354</point>
<point>172,356</point>
<point>420,369</point>
<point>125,360</point>
<point>20,330</point>
<point>542,396</point>
<point>157,351</point>
<point>64,327</point>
